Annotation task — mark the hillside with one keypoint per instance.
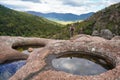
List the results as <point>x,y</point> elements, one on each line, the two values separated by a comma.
<point>62,16</point>
<point>108,18</point>
<point>14,23</point>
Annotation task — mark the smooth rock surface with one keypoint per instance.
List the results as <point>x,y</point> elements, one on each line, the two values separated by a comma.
<point>7,53</point>
<point>34,68</point>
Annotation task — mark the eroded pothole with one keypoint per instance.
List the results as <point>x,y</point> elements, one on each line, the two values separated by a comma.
<point>27,48</point>
<point>79,63</point>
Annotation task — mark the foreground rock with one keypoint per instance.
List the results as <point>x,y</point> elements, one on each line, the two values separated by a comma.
<point>7,53</point>
<point>36,62</point>
<point>34,68</point>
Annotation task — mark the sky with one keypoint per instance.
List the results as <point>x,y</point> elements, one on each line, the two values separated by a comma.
<point>59,6</point>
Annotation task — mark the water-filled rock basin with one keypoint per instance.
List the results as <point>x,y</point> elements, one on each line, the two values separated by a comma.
<point>26,49</point>
<point>9,69</point>
<point>80,64</point>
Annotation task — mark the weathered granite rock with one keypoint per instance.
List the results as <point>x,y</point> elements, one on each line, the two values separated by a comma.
<point>7,53</point>
<point>34,68</point>
<point>116,38</point>
<point>106,33</point>
<point>95,33</point>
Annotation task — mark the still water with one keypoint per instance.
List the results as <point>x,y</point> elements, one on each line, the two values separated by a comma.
<point>9,69</point>
<point>80,64</point>
<point>24,49</point>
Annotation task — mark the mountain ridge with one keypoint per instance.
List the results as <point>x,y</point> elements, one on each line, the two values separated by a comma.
<point>62,16</point>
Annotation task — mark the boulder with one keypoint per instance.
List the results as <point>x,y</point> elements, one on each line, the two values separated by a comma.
<point>95,33</point>
<point>106,33</point>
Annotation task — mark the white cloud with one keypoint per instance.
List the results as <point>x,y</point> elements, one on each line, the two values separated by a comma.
<point>35,1</point>
<point>59,6</point>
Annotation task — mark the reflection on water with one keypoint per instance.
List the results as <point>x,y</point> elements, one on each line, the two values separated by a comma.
<point>81,64</point>
<point>9,69</point>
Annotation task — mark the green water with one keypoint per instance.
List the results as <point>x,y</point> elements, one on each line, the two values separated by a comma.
<point>24,49</point>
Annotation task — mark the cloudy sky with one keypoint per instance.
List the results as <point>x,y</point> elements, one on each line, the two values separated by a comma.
<point>59,6</point>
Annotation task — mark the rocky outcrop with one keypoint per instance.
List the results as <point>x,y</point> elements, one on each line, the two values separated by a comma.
<point>108,18</point>
<point>36,62</point>
<point>116,38</point>
<point>7,53</point>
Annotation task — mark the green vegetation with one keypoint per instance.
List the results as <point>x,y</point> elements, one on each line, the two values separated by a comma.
<point>108,18</point>
<point>14,23</point>
<point>85,25</point>
<point>66,22</point>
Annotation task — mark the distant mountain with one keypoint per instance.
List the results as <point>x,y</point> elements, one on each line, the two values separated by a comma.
<point>15,23</point>
<point>62,16</point>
